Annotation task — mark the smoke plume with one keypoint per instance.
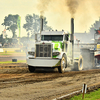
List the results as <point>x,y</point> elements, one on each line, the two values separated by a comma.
<point>72,6</point>
<point>43,6</point>
<point>59,12</point>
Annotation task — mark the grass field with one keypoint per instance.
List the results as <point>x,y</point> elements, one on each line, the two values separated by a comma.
<point>11,53</point>
<point>19,61</point>
<point>5,54</point>
<point>89,96</point>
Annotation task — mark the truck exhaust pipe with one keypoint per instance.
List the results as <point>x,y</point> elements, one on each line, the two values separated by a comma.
<point>41,25</point>
<point>72,38</point>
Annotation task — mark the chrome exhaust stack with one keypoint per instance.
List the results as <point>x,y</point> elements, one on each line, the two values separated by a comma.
<point>41,25</point>
<point>72,38</point>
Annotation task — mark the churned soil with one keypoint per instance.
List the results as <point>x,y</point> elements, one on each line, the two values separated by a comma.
<point>17,83</point>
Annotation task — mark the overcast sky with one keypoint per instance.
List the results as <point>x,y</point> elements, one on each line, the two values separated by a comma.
<point>20,7</point>
<point>57,12</point>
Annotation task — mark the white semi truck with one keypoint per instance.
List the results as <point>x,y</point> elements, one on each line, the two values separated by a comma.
<point>54,50</point>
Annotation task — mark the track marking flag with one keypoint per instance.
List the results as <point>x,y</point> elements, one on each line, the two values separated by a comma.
<point>19,24</point>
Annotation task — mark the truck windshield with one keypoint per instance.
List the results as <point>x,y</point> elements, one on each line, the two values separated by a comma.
<point>52,37</point>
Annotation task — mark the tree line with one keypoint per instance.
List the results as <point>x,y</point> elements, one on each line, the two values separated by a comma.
<point>32,25</point>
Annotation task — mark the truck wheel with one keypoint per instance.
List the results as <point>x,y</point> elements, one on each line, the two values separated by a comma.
<point>31,68</point>
<point>63,65</point>
<point>80,63</point>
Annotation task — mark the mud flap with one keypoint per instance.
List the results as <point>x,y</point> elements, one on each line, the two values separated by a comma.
<point>75,66</point>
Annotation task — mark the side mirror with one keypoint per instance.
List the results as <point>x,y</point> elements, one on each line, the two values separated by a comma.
<point>67,37</point>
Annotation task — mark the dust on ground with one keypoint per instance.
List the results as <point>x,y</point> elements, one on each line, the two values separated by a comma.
<point>19,84</point>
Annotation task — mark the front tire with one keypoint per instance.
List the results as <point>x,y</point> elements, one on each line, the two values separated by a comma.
<point>31,68</point>
<point>63,64</point>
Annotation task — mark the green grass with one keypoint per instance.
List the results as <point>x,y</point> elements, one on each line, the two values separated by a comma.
<point>19,61</point>
<point>5,54</point>
<point>89,96</point>
<point>10,53</point>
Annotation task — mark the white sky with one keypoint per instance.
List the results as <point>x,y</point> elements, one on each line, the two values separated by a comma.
<point>21,7</point>
<point>57,14</point>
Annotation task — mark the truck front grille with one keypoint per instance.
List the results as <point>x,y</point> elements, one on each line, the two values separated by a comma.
<point>43,50</point>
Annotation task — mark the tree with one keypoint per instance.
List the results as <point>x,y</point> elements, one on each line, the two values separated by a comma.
<point>33,24</point>
<point>10,23</point>
<point>94,27</point>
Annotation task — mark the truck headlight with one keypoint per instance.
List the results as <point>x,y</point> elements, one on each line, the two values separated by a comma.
<point>31,53</point>
<point>56,53</point>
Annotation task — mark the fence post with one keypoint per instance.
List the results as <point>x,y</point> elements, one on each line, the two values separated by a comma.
<point>84,90</point>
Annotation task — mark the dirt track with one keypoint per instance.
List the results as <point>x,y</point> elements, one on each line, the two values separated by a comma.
<point>19,84</point>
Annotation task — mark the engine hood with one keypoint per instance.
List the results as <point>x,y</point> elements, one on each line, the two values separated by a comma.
<point>44,42</point>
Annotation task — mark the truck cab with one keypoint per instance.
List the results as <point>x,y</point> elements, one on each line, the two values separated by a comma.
<point>51,51</point>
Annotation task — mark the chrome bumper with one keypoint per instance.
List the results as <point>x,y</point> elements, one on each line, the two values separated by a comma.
<point>43,62</point>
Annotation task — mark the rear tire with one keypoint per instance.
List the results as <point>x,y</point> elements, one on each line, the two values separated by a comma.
<point>80,64</point>
<point>63,64</point>
<point>31,68</point>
